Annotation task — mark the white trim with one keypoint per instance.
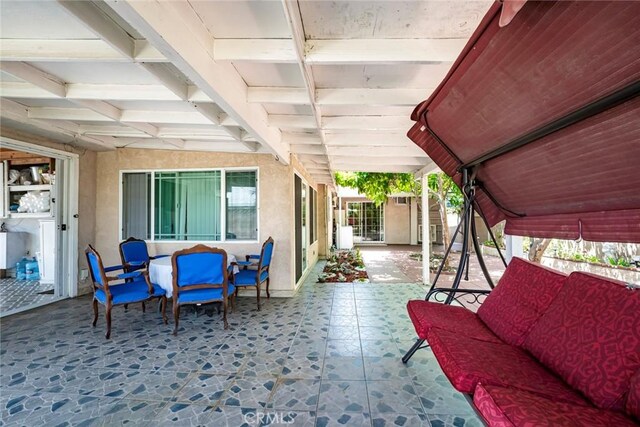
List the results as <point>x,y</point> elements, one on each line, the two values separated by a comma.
<point>223,201</point>
<point>69,273</point>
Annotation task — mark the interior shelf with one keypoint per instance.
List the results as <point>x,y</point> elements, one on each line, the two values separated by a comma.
<point>30,215</point>
<point>41,187</point>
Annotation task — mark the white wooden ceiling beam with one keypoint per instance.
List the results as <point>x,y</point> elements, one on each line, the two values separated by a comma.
<point>80,50</point>
<point>308,149</point>
<point>292,121</point>
<point>255,50</point>
<point>37,77</point>
<point>101,25</point>
<point>375,152</point>
<point>368,139</point>
<point>160,71</point>
<point>301,138</point>
<point>278,95</point>
<point>13,111</point>
<point>383,51</point>
<point>372,97</point>
<point>75,114</point>
<point>186,42</point>
<point>103,92</point>
<point>366,167</point>
<point>389,160</point>
<point>377,123</point>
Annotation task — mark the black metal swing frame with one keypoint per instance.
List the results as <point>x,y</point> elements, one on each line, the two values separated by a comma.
<point>467,226</point>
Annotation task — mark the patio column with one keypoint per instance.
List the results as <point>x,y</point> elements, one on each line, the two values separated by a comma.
<point>426,234</point>
<point>514,247</point>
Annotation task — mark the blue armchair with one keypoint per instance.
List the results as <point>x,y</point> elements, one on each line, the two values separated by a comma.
<point>200,276</point>
<point>247,278</point>
<point>135,255</point>
<point>136,288</point>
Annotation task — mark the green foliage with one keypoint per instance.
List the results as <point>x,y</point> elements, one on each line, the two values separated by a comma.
<point>619,262</point>
<point>377,186</point>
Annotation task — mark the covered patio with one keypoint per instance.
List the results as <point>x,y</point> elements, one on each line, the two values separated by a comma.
<point>328,356</point>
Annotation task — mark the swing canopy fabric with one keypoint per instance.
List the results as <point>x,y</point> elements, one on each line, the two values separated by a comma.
<point>544,111</point>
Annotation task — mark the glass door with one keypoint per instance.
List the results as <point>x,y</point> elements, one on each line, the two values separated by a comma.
<point>367,221</point>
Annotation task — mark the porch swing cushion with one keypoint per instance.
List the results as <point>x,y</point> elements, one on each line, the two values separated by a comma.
<point>507,407</point>
<point>523,294</point>
<point>426,315</point>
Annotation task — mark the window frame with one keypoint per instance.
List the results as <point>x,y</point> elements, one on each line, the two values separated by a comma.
<point>223,202</point>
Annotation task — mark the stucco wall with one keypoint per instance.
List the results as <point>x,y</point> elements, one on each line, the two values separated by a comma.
<point>275,203</point>
<point>397,223</point>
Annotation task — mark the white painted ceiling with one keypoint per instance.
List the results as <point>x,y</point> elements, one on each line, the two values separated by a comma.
<point>332,82</point>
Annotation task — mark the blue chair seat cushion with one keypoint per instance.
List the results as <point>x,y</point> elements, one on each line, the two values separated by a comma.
<point>196,296</point>
<point>157,291</point>
<point>125,293</point>
<point>248,277</point>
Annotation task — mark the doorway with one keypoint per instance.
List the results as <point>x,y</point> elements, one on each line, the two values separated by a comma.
<point>367,221</point>
<point>38,244</point>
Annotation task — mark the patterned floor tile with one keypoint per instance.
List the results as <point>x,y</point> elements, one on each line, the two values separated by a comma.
<point>343,348</point>
<point>338,397</point>
<point>235,416</point>
<point>344,332</point>
<point>182,414</point>
<point>296,395</point>
<point>455,421</point>
<point>289,418</point>
<point>385,368</point>
<point>343,368</point>
<point>393,397</point>
<point>439,397</point>
<point>248,392</point>
<point>379,348</point>
<point>303,367</point>
<point>400,420</point>
<point>261,365</point>
<point>204,389</point>
<point>343,419</point>
<point>159,385</point>
<point>374,333</point>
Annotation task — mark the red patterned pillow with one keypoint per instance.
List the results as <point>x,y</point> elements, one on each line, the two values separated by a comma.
<point>520,298</point>
<point>633,399</point>
<point>590,336</point>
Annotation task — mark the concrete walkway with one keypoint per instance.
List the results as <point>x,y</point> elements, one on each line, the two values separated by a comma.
<point>385,263</point>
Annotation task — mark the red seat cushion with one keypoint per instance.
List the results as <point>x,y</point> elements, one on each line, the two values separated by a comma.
<point>426,315</point>
<point>633,398</point>
<point>507,407</point>
<point>520,298</point>
<point>590,336</point>
<point>467,362</point>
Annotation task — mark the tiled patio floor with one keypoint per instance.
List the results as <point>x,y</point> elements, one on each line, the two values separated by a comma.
<point>329,356</point>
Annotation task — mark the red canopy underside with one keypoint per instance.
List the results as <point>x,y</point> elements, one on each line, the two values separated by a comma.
<point>553,58</point>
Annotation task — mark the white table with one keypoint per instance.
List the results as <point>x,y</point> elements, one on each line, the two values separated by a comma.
<point>161,272</point>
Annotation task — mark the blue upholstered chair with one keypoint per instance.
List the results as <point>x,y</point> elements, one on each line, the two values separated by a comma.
<point>136,288</point>
<point>135,255</point>
<point>247,278</point>
<point>200,277</point>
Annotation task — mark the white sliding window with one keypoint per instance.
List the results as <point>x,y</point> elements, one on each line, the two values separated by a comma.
<point>189,205</point>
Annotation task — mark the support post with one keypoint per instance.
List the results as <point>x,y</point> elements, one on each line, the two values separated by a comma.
<point>426,235</point>
<point>514,247</point>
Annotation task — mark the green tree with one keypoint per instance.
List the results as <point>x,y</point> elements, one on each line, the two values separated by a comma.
<point>377,187</point>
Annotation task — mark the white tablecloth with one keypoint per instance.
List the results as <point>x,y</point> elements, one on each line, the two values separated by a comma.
<point>160,272</point>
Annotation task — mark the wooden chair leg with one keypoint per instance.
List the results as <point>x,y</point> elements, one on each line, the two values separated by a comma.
<point>144,309</point>
<point>108,316</point>
<point>126,306</point>
<point>176,316</point>
<point>258,293</point>
<point>163,306</point>
<point>268,296</point>
<point>224,315</point>
<point>95,312</point>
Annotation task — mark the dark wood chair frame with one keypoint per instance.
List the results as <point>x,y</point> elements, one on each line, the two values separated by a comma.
<point>261,269</point>
<point>128,268</point>
<point>105,287</point>
<point>177,289</point>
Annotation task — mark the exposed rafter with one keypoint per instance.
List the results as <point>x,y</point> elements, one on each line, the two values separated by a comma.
<point>188,45</point>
